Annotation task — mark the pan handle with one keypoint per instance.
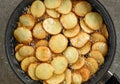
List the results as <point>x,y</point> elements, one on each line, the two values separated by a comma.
<point>109,78</point>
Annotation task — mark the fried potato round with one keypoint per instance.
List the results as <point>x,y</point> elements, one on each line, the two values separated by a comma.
<point>68,76</point>
<point>31,70</point>
<point>82,8</point>
<point>18,46</point>
<point>53,13</point>
<point>19,57</point>
<point>80,40</point>
<point>85,27</point>
<point>58,43</point>
<point>98,56</point>
<point>27,61</point>
<point>41,43</point>
<point>43,53</point>
<point>37,8</point>
<point>52,26</point>
<point>104,31</point>
<point>94,20</point>
<point>23,35</point>
<point>79,64</point>
<point>96,37</point>
<point>26,51</point>
<point>92,65</point>
<point>101,46</point>
<point>60,64</point>
<point>71,54</point>
<point>76,78</point>
<point>56,79</point>
<point>65,7</point>
<point>69,20</point>
<point>52,4</point>
<point>27,21</point>
<point>85,49</point>
<point>44,71</point>
<point>71,32</point>
<point>39,32</point>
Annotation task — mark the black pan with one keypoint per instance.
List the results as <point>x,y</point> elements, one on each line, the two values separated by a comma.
<point>10,42</point>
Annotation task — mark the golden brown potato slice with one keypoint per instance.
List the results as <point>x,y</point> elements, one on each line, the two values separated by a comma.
<point>52,4</point>
<point>41,43</point>
<point>44,71</point>
<point>104,31</point>
<point>69,20</point>
<point>71,32</point>
<point>23,35</point>
<point>27,61</point>
<point>56,79</point>
<point>68,76</point>
<point>94,20</point>
<point>58,43</point>
<point>26,51</point>
<point>79,64</point>
<point>60,64</point>
<point>80,40</point>
<point>39,32</point>
<point>52,26</point>
<point>101,46</point>
<point>92,65</point>
<point>31,70</point>
<point>27,20</point>
<point>19,57</point>
<point>71,54</point>
<point>65,7</point>
<point>85,49</point>
<point>53,13</point>
<point>85,27</point>
<point>76,78</point>
<point>18,46</point>
<point>98,56</point>
<point>43,53</point>
<point>95,37</point>
<point>82,8</point>
<point>37,8</point>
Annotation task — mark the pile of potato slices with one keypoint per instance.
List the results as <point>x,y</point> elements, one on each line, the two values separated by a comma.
<point>61,41</point>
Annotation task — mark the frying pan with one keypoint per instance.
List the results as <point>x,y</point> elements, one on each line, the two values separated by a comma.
<point>10,42</point>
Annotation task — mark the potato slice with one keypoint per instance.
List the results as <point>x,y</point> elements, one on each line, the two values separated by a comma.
<point>92,65</point>
<point>101,46</point>
<point>41,43</point>
<point>18,46</point>
<point>94,20</point>
<point>85,49</point>
<point>71,54</point>
<point>60,64</point>
<point>95,37</point>
<point>80,40</point>
<point>44,71</point>
<point>19,57</point>
<point>72,32</point>
<point>82,8</point>
<point>27,61</point>
<point>56,79</point>
<point>39,32</point>
<point>79,64</point>
<point>98,56</point>
<point>43,53</point>
<point>85,27</point>
<point>53,13</point>
<point>77,78</point>
<point>23,35</point>
<point>69,20</point>
<point>65,7</point>
<point>26,51</point>
<point>104,31</point>
<point>52,4</point>
<point>52,26</point>
<point>37,8</point>
<point>31,70</point>
<point>27,20</point>
<point>58,43</point>
<point>68,76</point>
